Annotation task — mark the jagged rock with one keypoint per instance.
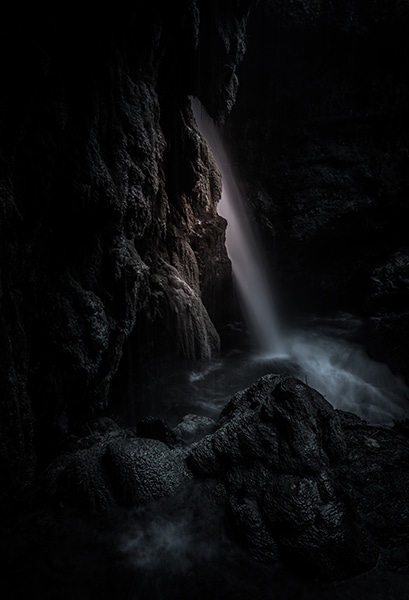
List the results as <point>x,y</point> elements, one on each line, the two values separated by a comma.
<point>196,336</point>
<point>251,424</point>
<point>390,284</point>
<point>316,528</point>
<point>83,481</point>
<point>104,471</point>
<point>228,37</point>
<point>300,484</point>
<point>275,451</point>
<point>144,469</point>
<point>375,476</point>
<point>388,340</point>
<point>249,524</point>
<point>108,197</point>
<point>193,428</point>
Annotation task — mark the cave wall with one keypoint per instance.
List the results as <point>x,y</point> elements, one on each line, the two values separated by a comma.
<point>319,134</point>
<point>110,239</point>
<point>108,205</point>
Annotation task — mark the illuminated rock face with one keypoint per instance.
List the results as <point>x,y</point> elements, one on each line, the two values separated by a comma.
<point>108,206</point>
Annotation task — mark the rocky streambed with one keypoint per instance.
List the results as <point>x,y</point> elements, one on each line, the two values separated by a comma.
<point>282,492</point>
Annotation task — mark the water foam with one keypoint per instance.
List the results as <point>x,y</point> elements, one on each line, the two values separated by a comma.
<point>326,359</point>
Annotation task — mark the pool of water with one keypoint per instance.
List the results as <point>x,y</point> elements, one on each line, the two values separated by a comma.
<point>324,353</point>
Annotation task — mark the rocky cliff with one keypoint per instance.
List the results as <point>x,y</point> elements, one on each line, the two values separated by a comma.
<point>108,205</point>
<point>112,254</point>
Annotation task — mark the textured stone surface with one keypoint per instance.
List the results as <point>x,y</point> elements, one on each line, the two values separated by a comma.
<point>109,238</point>
<point>194,427</point>
<point>104,471</point>
<point>108,199</point>
<point>275,451</point>
<point>296,482</point>
<point>144,469</point>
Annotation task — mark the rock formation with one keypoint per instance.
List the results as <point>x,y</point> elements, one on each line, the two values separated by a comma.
<point>108,206</point>
<point>112,255</point>
<point>299,483</point>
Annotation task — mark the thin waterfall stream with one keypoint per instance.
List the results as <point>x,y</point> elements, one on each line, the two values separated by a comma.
<point>323,350</point>
<point>242,247</point>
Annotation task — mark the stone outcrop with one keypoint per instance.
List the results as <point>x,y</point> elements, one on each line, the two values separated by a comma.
<point>275,452</point>
<point>299,483</point>
<point>112,254</point>
<point>109,229</point>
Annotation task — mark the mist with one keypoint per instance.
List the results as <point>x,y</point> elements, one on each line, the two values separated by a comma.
<point>324,357</point>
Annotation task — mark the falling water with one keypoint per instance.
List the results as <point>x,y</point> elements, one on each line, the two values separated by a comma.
<point>327,358</point>
<point>242,246</point>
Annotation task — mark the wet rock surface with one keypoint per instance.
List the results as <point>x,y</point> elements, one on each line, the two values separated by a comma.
<point>275,452</point>
<point>110,239</point>
<point>299,483</point>
<point>112,250</point>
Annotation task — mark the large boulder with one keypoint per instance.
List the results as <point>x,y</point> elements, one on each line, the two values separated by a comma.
<point>299,483</point>
<point>117,469</point>
<point>275,452</point>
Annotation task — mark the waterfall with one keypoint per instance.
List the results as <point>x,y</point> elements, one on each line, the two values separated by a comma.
<point>242,246</point>
<point>328,360</point>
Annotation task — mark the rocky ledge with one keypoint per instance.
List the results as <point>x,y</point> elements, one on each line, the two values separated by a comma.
<point>298,483</point>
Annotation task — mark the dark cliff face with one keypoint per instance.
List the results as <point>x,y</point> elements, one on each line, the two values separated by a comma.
<point>108,205</point>
<point>110,239</point>
<point>319,133</point>
<point>112,254</point>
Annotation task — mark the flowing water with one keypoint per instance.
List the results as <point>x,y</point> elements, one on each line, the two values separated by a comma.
<point>241,245</point>
<point>178,547</point>
<point>322,352</point>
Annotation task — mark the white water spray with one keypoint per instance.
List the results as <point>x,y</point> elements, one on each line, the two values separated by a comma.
<point>335,366</point>
<point>242,247</point>
<point>329,362</point>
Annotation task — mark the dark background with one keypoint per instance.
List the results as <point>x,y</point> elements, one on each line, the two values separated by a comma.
<point>111,250</point>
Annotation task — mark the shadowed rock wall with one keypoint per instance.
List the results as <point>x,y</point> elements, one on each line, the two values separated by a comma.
<point>319,133</point>
<point>108,204</point>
